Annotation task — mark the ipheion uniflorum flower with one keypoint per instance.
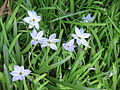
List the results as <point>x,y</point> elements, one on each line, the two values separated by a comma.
<point>50,42</point>
<point>69,45</point>
<point>87,19</point>
<point>80,36</point>
<point>36,37</point>
<point>19,73</point>
<point>32,19</point>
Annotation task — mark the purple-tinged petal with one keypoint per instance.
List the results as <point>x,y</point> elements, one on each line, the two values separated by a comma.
<point>30,13</point>
<point>33,42</point>
<point>22,77</point>
<point>44,45</point>
<point>38,18</point>
<point>71,49</point>
<point>34,13</point>
<point>53,46</point>
<point>14,73</point>
<point>42,40</point>
<point>22,69</point>
<point>86,35</point>
<point>16,68</point>
<point>83,17</point>
<point>64,44</point>
<point>77,31</point>
<point>26,72</point>
<point>81,30</point>
<point>81,21</point>
<point>37,25</point>
<point>85,21</point>
<point>55,40</point>
<point>33,34</point>
<point>15,78</point>
<point>88,16</point>
<point>53,36</point>
<point>74,36</point>
<point>79,41</point>
<point>71,42</point>
<point>27,19</point>
<point>39,35</point>
<point>84,42</point>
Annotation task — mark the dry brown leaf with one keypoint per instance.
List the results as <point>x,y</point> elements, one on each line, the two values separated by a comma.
<point>5,8</point>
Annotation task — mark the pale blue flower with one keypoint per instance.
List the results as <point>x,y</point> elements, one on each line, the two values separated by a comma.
<point>32,20</point>
<point>87,19</point>
<point>50,42</point>
<point>111,74</point>
<point>69,45</point>
<point>19,73</point>
<point>91,68</point>
<point>80,36</point>
<point>37,37</point>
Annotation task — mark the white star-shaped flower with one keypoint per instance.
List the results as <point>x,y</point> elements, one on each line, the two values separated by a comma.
<point>19,73</point>
<point>37,37</point>
<point>80,36</point>
<point>50,42</point>
<point>33,19</point>
<point>87,19</point>
<point>69,45</point>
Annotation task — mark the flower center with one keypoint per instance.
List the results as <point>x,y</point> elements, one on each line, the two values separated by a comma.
<point>68,46</point>
<point>79,37</point>
<point>20,73</point>
<point>36,39</point>
<point>49,42</point>
<point>33,20</point>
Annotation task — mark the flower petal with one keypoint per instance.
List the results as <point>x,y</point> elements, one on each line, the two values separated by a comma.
<point>53,46</point>
<point>31,13</point>
<point>38,18</point>
<point>42,40</point>
<point>37,25</point>
<point>77,31</point>
<point>27,19</point>
<point>16,68</point>
<point>79,41</point>
<point>83,17</point>
<point>71,42</point>
<point>55,40</point>
<point>33,34</point>
<point>88,16</point>
<point>52,36</point>
<point>26,72</point>
<point>22,77</point>
<point>81,30</point>
<point>85,21</point>
<point>34,13</point>
<point>74,36</point>
<point>44,45</point>
<point>14,73</point>
<point>33,42</point>
<point>84,42</point>
<point>15,78</point>
<point>86,35</point>
<point>64,45</point>
<point>22,69</point>
<point>31,26</point>
<point>39,35</point>
<point>71,49</point>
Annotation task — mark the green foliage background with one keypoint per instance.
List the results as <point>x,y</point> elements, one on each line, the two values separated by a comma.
<point>62,70</point>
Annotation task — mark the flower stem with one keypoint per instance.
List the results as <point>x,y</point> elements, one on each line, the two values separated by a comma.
<point>30,66</point>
